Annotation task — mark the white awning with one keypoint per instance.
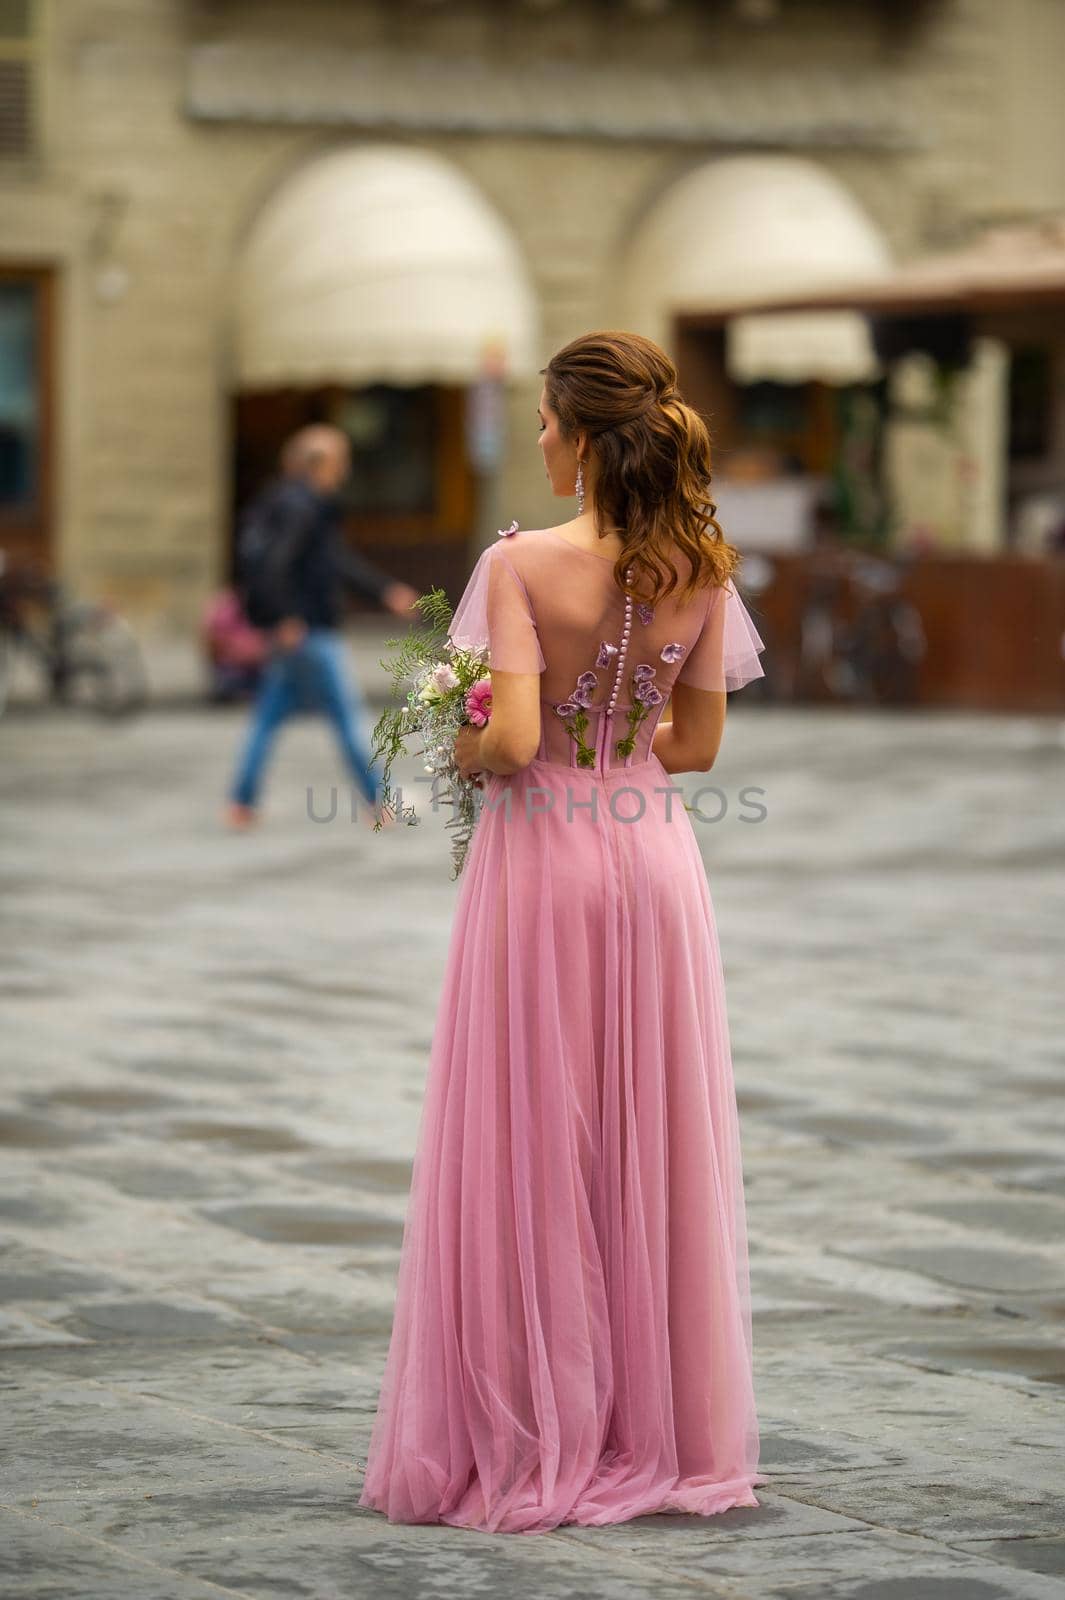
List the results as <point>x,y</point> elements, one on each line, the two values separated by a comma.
<point>380,264</point>
<point>744,229</point>
<point>796,346</point>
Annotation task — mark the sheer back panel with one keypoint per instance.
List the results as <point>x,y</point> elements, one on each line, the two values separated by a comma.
<point>540,604</point>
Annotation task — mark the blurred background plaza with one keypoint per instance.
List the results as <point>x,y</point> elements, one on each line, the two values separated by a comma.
<point>223,219</point>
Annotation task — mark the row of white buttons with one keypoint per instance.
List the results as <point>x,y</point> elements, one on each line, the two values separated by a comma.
<point>623,650</point>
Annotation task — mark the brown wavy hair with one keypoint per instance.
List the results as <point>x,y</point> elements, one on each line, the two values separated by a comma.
<point>652,455</point>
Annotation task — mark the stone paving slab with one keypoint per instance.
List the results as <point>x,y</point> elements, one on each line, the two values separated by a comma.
<point>212,1063</point>
<point>41,1560</point>
<point>823,1557</point>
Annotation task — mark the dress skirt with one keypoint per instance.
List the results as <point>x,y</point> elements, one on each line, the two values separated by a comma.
<point>572,1340</point>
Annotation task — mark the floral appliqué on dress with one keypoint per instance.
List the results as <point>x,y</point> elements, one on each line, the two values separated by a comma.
<point>645,692</point>
<point>574,714</point>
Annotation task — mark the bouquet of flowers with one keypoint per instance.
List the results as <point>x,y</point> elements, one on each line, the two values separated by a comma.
<point>444,687</point>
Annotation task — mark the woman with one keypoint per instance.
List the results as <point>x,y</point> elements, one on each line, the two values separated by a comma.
<point>572,1333</point>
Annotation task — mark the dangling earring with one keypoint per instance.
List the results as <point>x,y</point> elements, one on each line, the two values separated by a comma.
<point>580,487</point>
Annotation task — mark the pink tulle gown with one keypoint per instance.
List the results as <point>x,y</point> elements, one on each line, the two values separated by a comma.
<point>572,1332</point>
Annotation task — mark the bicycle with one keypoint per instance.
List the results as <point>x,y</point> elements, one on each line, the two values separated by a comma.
<point>875,656</point>
<point>89,656</point>
<point>886,642</point>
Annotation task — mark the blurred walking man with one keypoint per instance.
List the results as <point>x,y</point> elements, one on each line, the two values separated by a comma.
<point>306,669</point>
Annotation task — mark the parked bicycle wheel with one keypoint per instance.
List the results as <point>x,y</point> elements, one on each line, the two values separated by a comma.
<point>886,643</point>
<point>6,666</point>
<point>895,671</point>
<point>98,663</point>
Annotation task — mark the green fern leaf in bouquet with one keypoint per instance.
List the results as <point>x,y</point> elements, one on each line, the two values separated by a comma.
<point>432,678</point>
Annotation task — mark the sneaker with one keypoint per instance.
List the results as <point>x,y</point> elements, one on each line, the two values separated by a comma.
<point>239,817</point>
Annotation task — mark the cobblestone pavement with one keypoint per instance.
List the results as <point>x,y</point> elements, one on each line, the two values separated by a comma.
<point>214,1050</point>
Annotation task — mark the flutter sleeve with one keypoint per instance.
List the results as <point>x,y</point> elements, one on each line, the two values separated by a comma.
<point>495,615</point>
<point>725,655</point>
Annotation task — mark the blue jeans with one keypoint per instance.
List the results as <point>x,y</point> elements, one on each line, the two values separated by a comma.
<point>311,677</point>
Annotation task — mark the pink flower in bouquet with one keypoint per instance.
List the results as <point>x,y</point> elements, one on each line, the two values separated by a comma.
<point>479,702</point>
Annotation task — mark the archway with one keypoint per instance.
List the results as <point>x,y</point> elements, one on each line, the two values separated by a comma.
<point>741,231</point>
<point>378,289</point>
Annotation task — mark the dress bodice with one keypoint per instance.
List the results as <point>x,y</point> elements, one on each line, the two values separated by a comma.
<point>540,603</point>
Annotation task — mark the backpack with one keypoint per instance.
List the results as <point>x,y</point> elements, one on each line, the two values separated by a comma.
<point>271,536</point>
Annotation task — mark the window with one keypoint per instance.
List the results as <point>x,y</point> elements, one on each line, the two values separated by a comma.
<point>771,411</point>
<point>393,434</point>
<point>19,399</point>
<point>18,70</point>
<point>1030,403</point>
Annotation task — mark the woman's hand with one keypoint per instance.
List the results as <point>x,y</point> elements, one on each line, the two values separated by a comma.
<point>290,633</point>
<point>467,754</point>
<point>399,598</point>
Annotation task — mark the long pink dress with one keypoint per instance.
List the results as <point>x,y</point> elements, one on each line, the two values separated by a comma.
<point>572,1332</point>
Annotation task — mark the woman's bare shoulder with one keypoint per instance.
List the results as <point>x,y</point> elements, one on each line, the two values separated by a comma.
<point>517,543</point>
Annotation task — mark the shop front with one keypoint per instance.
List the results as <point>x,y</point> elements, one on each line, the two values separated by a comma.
<point>946,456</point>
<point>379,292</point>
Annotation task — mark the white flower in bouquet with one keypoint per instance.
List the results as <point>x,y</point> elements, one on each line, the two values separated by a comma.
<point>445,688</point>
<point>445,677</point>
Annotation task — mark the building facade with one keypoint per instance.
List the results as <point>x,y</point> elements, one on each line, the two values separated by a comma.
<point>222,217</point>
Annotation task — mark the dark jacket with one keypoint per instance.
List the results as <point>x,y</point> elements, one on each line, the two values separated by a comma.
<point>325,563</point>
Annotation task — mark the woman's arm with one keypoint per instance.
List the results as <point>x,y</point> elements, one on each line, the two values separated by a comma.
<point>512,737</point>
<point>476,750</point>
<point>690,742</point>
